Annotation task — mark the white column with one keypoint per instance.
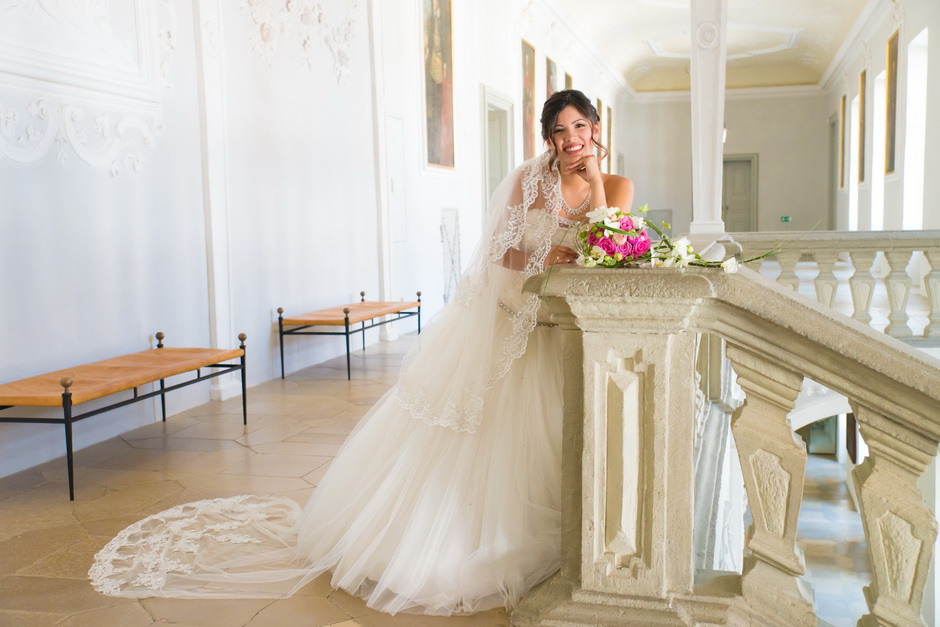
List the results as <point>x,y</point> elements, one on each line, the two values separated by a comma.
<point>708,51</point>
<point>207,18</point>
<point>383,236</point>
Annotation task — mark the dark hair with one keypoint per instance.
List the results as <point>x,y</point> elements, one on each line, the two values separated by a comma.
<point>569,98</point>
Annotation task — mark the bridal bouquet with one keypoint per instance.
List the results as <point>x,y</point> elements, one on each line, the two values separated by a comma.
<point>612,238</point>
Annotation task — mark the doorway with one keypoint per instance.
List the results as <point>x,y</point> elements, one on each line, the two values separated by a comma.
<point>739,193</point>
<point>497,140</point>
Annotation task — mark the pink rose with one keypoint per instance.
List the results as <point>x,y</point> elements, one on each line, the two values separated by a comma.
<point>619,238</point>
<point>625,249</point>
<point>592,238</point>
<point>626,224</point>
<point>607,245</point>
<point>641,244</point>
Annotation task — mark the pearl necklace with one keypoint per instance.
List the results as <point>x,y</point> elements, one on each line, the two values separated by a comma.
<point>584,205</point>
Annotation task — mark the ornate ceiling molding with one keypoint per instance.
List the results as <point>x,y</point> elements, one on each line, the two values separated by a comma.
<point>277,21</point>
<point>73,82</point>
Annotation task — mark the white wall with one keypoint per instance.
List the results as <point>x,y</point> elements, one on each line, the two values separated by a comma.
<point>790,135</point>
<point>659,155</point>
<point>787,130</point>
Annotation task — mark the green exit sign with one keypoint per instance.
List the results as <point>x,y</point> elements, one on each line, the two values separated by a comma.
<point>784,218</point>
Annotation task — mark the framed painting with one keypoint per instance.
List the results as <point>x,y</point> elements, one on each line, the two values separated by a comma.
<point>569,82</point>
<point>528,100</point>
<point>842,143</point>
<point>862,80</point>
<point>891,89</point>
<point>439,83</point>
<point>551,77</point>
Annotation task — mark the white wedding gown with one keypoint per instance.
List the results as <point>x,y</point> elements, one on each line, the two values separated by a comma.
<point>443,500</point>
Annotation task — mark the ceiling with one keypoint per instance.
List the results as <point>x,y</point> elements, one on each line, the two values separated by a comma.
<point>769,42</point>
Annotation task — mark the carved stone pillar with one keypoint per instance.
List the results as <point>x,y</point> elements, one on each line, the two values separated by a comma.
<point>898,285</point>
<point>899,528</point>
<point>773,461</point>
<point>932,287</point>
<point>826,282</point>
<point>627,459</point>
<point>862,284</point>
<point>788,260</point>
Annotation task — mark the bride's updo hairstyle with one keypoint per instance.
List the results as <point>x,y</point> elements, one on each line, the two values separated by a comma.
<point>558,101</point>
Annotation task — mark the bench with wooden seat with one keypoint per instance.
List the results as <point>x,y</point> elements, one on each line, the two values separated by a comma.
<point>72,386</point>
<point>346,316</point>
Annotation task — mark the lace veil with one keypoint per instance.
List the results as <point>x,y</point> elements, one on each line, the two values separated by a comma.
<point>445,376</point>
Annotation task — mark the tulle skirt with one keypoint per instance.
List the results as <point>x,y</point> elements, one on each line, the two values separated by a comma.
<point>410,517</point>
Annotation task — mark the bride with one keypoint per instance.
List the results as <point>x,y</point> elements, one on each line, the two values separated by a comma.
<point>445,498</point>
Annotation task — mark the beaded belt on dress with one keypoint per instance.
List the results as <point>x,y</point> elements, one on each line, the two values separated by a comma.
<point>505,308</point>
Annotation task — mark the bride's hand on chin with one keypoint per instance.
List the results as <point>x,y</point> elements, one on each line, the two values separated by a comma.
<point>586,167</point>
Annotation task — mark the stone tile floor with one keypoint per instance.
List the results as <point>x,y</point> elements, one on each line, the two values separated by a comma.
<point>295,427</point>
<point>833,542</point>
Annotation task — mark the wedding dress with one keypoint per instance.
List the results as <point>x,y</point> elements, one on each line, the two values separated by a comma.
<point>445,498</point>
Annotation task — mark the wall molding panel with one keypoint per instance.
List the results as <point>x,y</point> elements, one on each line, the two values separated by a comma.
<point>84,78</point>
<point>276,21</point>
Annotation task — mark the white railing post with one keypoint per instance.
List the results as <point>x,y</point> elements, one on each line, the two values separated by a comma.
<point>898,285</point>
<point>773,461</point>
<point>899,527</point>
<point>862,284</point>
<point>826,282</point>
<point>788,260</point>
<point>932,287</point>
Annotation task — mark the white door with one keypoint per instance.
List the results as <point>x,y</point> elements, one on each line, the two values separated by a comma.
<point>497,148</point>
<point>738,200</point>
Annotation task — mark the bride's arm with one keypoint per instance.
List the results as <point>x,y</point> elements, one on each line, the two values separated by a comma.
<point>618,192</point>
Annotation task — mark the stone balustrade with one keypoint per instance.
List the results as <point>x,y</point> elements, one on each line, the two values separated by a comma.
<point>855,253</point>
<point>630,340</point>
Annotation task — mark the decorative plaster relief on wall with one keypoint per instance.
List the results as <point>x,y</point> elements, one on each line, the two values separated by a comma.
<point>84,78</point>
<point>275,21</point>
<point>773,488</point>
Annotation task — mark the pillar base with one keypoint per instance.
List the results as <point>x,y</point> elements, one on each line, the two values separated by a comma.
<point>560,603</point>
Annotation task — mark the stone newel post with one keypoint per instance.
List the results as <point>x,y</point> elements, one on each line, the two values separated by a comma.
<point>627,463</point>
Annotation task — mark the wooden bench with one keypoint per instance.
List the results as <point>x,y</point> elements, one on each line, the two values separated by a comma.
<point>345,316</point>
<point>72,386</point>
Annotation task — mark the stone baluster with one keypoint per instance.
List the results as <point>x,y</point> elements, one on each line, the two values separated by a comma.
<point>898,285</point>
<point>773,461</point>
<point>862,284</point>
<point>826,282</point>
<point>932,287</point>
<point>899,528</point>
<point>788,260</point>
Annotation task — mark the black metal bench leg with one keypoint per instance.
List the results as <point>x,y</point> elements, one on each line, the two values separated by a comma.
<point>348,362</point>
<point>163,398</point>
<point>363,337</point>
<point>67,411</point>
<point>242,337</point>
<point>280,334</point>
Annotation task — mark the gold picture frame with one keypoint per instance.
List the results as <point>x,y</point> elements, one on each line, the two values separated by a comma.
<point>528,100</point>
<point>439,83</point>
